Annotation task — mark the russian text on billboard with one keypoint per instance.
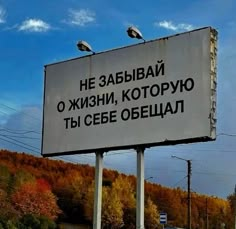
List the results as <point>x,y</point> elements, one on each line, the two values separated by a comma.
<point>157,92</point>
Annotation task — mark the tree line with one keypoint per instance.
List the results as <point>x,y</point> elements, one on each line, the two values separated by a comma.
<point>44,191</point>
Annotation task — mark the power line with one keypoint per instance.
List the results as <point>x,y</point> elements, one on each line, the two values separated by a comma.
<point>14,109</point>
<point>4,112</point>
<point>20,145</point>
<point>216,174</point>
<point>72,161</point>
<point>17,136</point>
<point>17,116</point>
<point>20,142</point>
<point>201,150</point>
<point>17,131</point>
<point>20,132</point>
<point>227,135</point>
<point>179,181</point>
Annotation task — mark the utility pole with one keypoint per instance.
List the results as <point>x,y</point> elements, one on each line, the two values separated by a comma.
<point>189,170</point>
<point>207,213</point>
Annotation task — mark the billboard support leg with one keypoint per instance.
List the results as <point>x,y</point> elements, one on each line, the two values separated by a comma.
<point>97,208</point>
<point>140,189</point>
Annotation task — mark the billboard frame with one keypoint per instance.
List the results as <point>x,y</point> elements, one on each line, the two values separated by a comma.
<point>212,115</point>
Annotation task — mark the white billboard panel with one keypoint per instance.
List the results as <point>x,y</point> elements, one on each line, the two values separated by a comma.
<point>157,92</point>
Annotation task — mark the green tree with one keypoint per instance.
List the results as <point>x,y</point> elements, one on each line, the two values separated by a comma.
<point>5,177</point>
<point>46,223</point>
<point>30,221</point>
<point>21,177</point>
<point>7,211</point>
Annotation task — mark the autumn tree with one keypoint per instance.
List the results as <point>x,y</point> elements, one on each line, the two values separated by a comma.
<point>7,211</point>
<point>72,184</point>
<point>36,198</point>
<point>88,202</point>
<point>5,178</point>
<point>21,177</point>
<point>71,191</point>
<point>115,198</point>
<point>112,213</point>
<point>125,191</point>
<point>151,215</point>
<point>229,219</point>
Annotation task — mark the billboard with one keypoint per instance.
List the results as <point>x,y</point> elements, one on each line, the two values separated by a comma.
<point>158,92</point>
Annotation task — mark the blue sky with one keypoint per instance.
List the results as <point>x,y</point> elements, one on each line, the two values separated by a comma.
<point>35,33</point>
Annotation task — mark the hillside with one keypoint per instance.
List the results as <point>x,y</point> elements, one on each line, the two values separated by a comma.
<point>73,185</point>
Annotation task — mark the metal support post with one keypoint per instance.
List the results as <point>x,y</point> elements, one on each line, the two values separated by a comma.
<point>140,189</point>
<point>97,208</point>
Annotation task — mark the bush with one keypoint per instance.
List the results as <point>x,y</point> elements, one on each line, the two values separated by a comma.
<point>46,223</point>
<point>7,224</point>
<point>11,225</point>
<point>29,221</point>
<point>1,226</point>
<point>35,222</point>
<point>3,223</point>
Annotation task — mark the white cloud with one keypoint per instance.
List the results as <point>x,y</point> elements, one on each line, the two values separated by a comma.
<point>2,15</point>
<point>34,25</point>
<point>175,27</point>
<point>80,17</point>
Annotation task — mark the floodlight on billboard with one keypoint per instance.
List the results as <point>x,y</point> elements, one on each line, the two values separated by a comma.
<point>159,92</point>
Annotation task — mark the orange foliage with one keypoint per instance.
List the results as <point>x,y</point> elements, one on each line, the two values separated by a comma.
<point>71,183</point>
<point>36,198</point>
